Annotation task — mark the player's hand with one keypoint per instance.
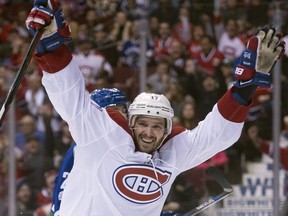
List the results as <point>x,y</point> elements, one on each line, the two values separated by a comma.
<point>269,48</point>
<point>47,15</point>
<point>263,50</point>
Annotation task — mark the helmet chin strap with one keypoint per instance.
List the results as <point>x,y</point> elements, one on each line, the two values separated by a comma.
<point>163,138</point>
<point>164,135</point>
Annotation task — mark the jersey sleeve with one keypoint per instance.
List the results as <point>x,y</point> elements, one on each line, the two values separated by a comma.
<point>220,129</point>
<point>65,86</point>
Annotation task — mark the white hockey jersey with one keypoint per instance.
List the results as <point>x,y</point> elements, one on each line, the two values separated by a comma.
<point>109,176</point>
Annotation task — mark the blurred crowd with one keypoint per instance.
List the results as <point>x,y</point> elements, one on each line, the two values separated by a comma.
<point>192,47</point>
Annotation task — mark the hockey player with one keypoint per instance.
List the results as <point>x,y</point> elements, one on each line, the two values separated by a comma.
<point>125,168</point>
<point>105,98</point>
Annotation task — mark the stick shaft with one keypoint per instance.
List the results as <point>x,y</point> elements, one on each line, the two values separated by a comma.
<point>227,190</point>
<point>207,204</point>
<point>19,76</point>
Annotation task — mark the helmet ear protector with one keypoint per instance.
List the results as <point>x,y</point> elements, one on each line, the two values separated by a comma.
<point>154,105</point>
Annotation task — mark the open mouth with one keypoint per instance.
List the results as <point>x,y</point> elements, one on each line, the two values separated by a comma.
<point>147,141</point>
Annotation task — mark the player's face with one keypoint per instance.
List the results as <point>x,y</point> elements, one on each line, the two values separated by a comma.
<point>149,132</point>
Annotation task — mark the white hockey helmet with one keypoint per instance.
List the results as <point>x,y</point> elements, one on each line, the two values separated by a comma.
<point>151,104</point>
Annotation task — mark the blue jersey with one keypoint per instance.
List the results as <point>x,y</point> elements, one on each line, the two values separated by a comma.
<point>63,173</point>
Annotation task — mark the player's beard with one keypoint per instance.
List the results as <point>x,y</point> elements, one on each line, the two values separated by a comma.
<point>144,145</point>
<point>148,147</point>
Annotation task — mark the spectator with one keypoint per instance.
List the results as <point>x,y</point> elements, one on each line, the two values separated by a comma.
<point>182,29</point>
<point>130,53</point>
<point>68,7</point>
<point>103,80</point>
<point>244,150</point>
<point>25,201</point>
<point>209,58</point>
<point>229,43</point>
<point>257,12</point>
<point>194,46</point>
<point>190,78</point>
<point>46,150</point>
<point>188,116</point>
<point>104,9</point>
<point>45,195</point>
<point>226,70</point>
<point>260,112</point>
<point>132,9</point>
<point>201,11</point>
<point>50,118</point>
<point>176,57</point>
<point>34,163</point>
<point>120,32</point>
<point>154,27</point>
<point>244,28</point>
<point>27,128</point>
<point>174,93</point>
<point>232,9</point>
<point>20,23</point>
<point>165,12</point>
<point>161,78</point>
<point>15,48</point>
<point>82,33</point>
<point>91,63</point>
<point>91,21</point>
<point>104,45</point>
<point>75,8</point>
<point>208,94</point>
<point>163,43</point>
<point>35,97</point>
<point>5,23</point>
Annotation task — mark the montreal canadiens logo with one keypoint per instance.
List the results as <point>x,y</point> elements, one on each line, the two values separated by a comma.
<point>139,183</point>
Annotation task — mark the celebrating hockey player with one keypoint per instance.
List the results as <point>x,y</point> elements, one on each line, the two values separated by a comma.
<point>125,168</point>
<point>105,98</point>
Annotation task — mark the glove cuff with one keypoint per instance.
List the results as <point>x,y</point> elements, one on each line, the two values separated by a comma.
<point>234,112</point>
<point>51,43</point>
<point>260,79</point>
<point>244,95</point>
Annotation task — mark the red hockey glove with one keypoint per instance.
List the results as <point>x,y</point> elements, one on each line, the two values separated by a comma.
<point>48,14</point>
<point>263,50</point>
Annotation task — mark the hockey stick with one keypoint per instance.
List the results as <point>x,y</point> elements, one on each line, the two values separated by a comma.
<point>19,76</point>
<point>221,180</point>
